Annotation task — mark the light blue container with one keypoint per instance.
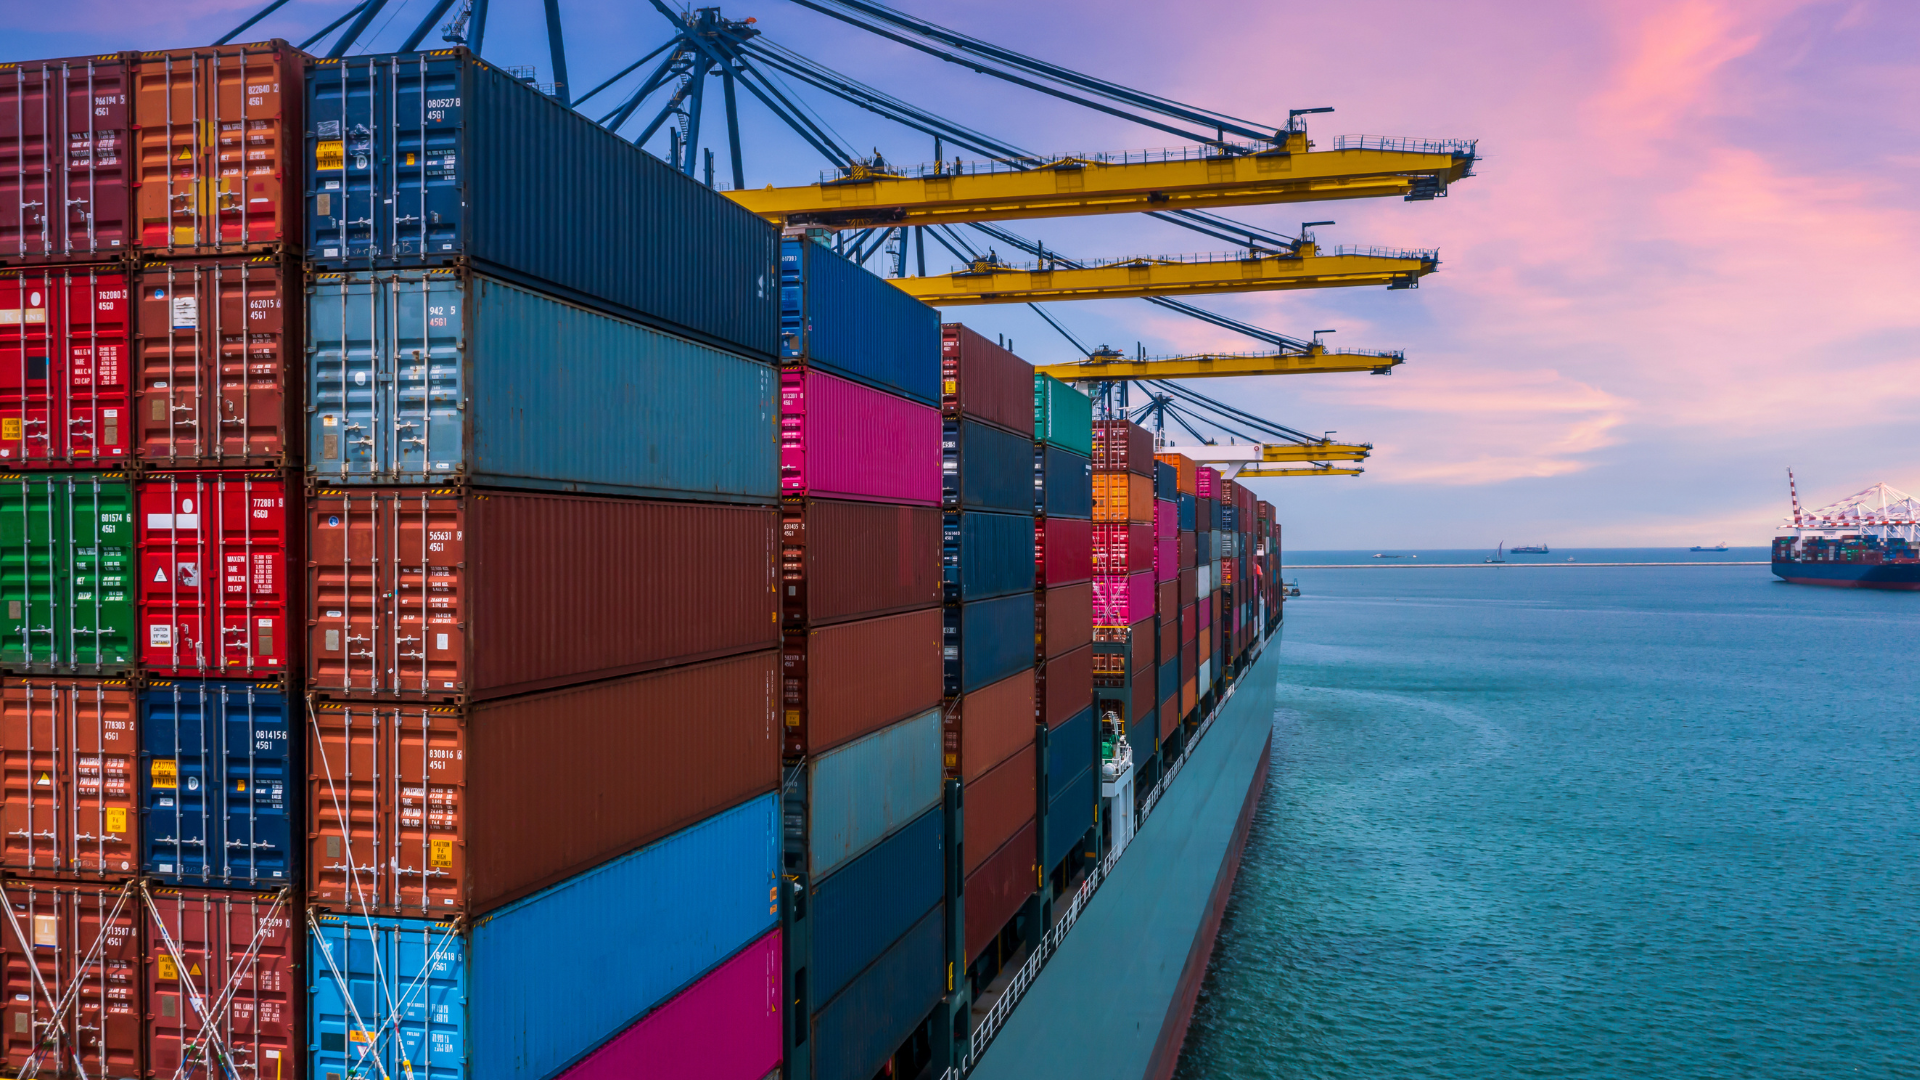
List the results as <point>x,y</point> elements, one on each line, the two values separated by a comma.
<point>536,985</point>
<point>859,793</point>
<point>432,376</point>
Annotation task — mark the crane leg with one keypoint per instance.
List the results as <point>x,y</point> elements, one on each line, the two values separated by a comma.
<point>733,131</point>
<point>557,49</point>
<point>358,27</point>
<point>479,27</point>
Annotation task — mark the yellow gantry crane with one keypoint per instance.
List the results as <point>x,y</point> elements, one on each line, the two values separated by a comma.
<point>1315,359</point>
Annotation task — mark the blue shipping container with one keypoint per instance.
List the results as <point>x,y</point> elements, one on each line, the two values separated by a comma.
<point>1168,684</point>
<point>1063,482</point>
<point>1186,503</point>
<point>988,555</point>
<point>988,640</point>
<point>984,468</point>
<point>219,785</point>
<point>836,315</point>
<point>857,1032</point>
<point>1143,732</point>
<point>860,793</point>
<point>1069,816</point>
<point>874,899</point>
<point>1166,481</point>
<point>1069,750</point>
<point>510,388</point>
<point>1203,546</point>
<point>539,983</point>
<point>424,159</point>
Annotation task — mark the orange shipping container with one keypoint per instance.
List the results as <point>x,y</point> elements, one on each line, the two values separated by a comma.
<point>1122,497</point>
<point>239,947</point>
<point>70,805</point>
<point>989,726</point>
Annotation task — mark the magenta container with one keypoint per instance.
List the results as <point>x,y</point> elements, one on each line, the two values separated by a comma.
<point>1166,558</point>
<point>842,440</point>
<point>1166,520</point>
<point>1069,551</point>
<point>1203,481</point>
<point>1123,601</point>
<point>726,1027</point>
<point>1206,610</point>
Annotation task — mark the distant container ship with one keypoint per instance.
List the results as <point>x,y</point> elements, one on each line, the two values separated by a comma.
<point>1864,541</point>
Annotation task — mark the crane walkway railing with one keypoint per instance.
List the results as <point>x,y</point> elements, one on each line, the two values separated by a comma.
<point>1046,265</point>
<point>881,169</point>
<point>1401,145</point>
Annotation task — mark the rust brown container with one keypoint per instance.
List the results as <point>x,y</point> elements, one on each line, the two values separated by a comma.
<point>1068,686</point>
<point>1140,652</point>
<point>1169,636</point>
<point>445,594</point>
<point>216,148</point>
<point>841,561</point>
<point>1122,446</point>
<point>63,171</point>
<point>442,810</point>
<point>1069,618</point>
<point>70,801</point>
<point>246,947</point>
<point>216,343</point>
<point>989,726</point>
<point>997,804</point>
<point>1189,585</point>
<point>984,381</point>
<point>840,682</point>
<point>70,972</point>
<point>996,890</point>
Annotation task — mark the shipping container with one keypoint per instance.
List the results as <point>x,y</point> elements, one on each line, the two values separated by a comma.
<point>985,555</point>
<point>416,808</point>
<point>1189,624</point>
<point>238,957</point>
<point>1166,519</point>
<point>853,560</point>
<point>1140,646</point>
<point>483,401</point>
<point>854,1035</point>
<point>1189,550</point>
<point>1062,415</point>
<point>1166,560</point>
<point>1070,751</point>
<point>1123,601</point>
<point>1119,550</point>
<point>997,804</point>
<point>725,1027</point>
<point>1142,731</point>
<point>1171,712</point>
<point>1068,686</point>
<point>70,972</point>
<point>219,593</point>
<point>525,992</point>
<point>986,641</point>
<point>844,440</point>
<point>1168,684</point>
<point>1204,585</point>
<point>1204,479</point>
<point>842,681</point>
<point>995,892</point>
<point>448,594</point>
<point>1068,555</point>
<point>985,381</point>
<point>1187,508</point>
<point>984,468</point>
<point>217,352</point>
<point>220,784</point>
<point>66,553</point>
<point>67,123</point>
<point>1166,480</point>
<point>1122,497</point>
<point>215,140</point>
<point>1186,479</point>
<point>874,899</point>
<point>1068,618</point>
<point>989,725</point>
<point>69,800</point>
<point>837,315</point>
<point>1062,481</point>
<point>1069,816</point>
<point>861,792</point>
<point>433,158</point>
<point>1144,689</point>
<point>1123,446</point>
<point>64,386</point>
<point>1167,608</point>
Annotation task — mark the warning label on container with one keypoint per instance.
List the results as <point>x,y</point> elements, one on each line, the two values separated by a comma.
<point>160,635</point>
<point>167,969</point>
<point>186,313</point>
<point>117,819</point>
<point>441,853</point>
<point>165,773</point>
<point>330,154</point>
<point>10,429</point>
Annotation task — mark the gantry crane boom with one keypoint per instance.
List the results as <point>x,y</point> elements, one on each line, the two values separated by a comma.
<point>1316,360</point>
<point>1255,454</point>
<point>1251,472</point>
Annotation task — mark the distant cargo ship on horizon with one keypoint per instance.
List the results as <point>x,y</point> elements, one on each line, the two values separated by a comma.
<point>1535,549</point>
<point>1864,541</point>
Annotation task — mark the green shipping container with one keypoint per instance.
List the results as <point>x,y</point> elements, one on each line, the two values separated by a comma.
<point>66,573</point>
<point>1062,415</point>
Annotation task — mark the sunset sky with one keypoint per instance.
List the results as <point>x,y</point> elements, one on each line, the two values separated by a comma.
<point>1682,265</point>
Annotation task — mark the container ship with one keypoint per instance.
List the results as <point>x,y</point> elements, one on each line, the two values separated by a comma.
<point>480,604</point>
<point>1865,541</point>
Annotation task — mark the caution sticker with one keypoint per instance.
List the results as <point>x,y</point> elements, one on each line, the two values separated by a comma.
<point>330,154</point>
<point>10,429</point>
<point>166,773</point>
<point>440,853</point>
<point>117,819</point>
<point>167,969</point>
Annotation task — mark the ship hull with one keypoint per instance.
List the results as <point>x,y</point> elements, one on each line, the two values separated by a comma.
<point>1901,576</point>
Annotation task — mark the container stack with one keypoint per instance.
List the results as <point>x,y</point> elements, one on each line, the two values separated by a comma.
<point>542,728</point>
<point>1207,599</point>
<point>867,813</point>
<point>1064,442</point>
<point>1179,673</point>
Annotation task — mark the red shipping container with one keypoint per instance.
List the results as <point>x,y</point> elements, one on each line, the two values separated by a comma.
<point>84,943</point>
<point>1189,625</point>
<point>1122,549</point>
<point>1068,683</point>
<point>1169,717</point>
<point>64,387</point>
<point>441,810</point>
<point>1123,601</point>
<point>1185,479</point>
<point>217,343</point>
<point>1068,618</point>
<point>1169,636</point>
<point>1122,446</point>
<point>1189,585</point>
<point>218,594</point>
<point>218,144</point>
<point>998,804</point>
<point>64,190</point>
<point>840,439</point>
<point>448,594</point>
<point>238,948</point>
<point>1068,550</point>
<point>1189,552</point>
<point>840,682</point>
<point>996,892</point>
<point>982,380</point>
<point>989,726</point>
<point>70,801</point>
<point>852,560</point>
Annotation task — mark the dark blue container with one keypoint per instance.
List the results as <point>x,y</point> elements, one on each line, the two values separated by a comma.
<point>1063,482</point>
<point>1226,517</point>
<point>1069,816</point>
<point>1166,481</point>
<point>988,555</point>
<point>836,315</point>
<point>1069,751</point>
<point>1143,732</point>
<point>1186,505</point>
<point>1203,545</point>
<point>1204,515</point>
<point>866,905</point>
<point>421,159</point>
<point>985,468</point>
<point>219,785</point>
<point>1168,682</point>
<point>987,641</point>
<point>855,1033</point>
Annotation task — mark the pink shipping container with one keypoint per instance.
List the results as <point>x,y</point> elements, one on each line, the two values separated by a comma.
<point>842,440</point>
<point>1122,601</point>
<point>724,1027</point>
<point>1166,519</point>
<point>1166,559</point>
<point>1204,481</point>
<point>1205,613</point>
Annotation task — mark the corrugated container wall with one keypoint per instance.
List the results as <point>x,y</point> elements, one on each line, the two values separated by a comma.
<point>487,402</point>
<point>69,800</point>
<point>843,439</point>
<point>995,892</point>
<point>985,381</point>
<point>842,681</point>
<point>988,555</point>
<point>1069,617</point>
<point>873,900</point>
<point>860,792</point>
<point>71,195</point>
<point>250,941</point>
<point>989,725</point>
<point>86,941</point>
<point>856,1033</point>
<point>841,317</point>
<point>987,468</point>
<point>1068,555</point>
<point>520,185</point>
<point>66,573</point>
<point>219,591</point>
<point>851,560</point>
<point>65,389</point>
<point>998,804</point>
<point>220,784</point>
<point>994,639</point>
<point>1062,415</point>
<point>1064,482</point>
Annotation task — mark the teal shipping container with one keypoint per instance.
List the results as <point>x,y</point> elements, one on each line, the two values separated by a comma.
<point>861,792</point>
<point>433,376</point>
<point>1062,416</point>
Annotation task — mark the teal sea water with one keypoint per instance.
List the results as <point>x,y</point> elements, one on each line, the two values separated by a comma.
<point>1579,822</point>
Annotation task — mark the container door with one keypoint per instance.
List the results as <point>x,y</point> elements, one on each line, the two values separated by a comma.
<point>37,755</point>
<point>234,956</point>
<point>257,842</point>
<point>214,583</point>
<point>386,154</point>
<point>71,980</point>
<point>218,787</point>
<point>211,354</point>
<point>384,378</point>
<point>388,999</point>
<point>388,593</point>
<point>65,547</point>
<point>63,378</point>
<point>66,124</point>
<point>95,775</point>
<point>213,122</point>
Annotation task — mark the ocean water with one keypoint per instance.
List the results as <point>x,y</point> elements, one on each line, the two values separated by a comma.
<point>1579,822</point>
